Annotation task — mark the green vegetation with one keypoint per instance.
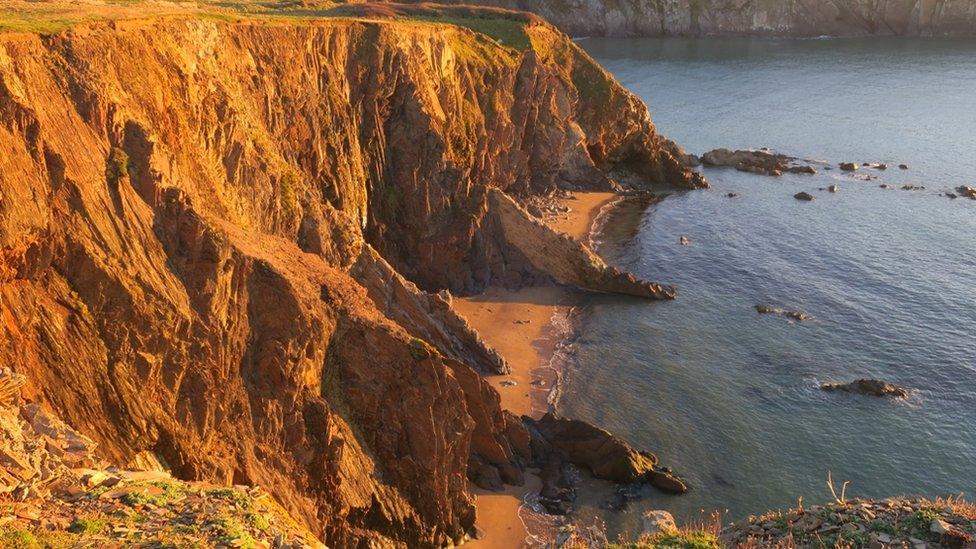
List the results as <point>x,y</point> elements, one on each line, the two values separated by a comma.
<point>229,531</point>
<point>421,350</point>
<point>84,525</point>
<point>171,492</point>
<point>18,539</point>
<point>506,32</point>
<point>286,193</point>
<point>116,166</point>
<point>685,539</point>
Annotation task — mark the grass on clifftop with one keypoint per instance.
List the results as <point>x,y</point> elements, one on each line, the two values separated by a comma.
<point>503,26</point>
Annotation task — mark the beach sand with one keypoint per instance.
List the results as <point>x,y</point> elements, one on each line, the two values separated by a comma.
<point>518,324</point>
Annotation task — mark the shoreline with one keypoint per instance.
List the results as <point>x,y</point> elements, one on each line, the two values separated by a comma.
<point>526,327</point>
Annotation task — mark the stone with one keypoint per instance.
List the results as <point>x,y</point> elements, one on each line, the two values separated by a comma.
<point>656,522</point>
<point>871,387</point>
<point>833,188</point>
<point>902,166</point>
<point>684,240</point>
<point>849,166</point>
<point>803,196</point>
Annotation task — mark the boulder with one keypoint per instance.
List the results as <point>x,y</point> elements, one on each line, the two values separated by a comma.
<point>833,188</point>
<point>657,522</point>
<point>684,240</point>
<point>803,196</point>
<point>872,387</point>
<point>666,481</point>
<point>849,166</point>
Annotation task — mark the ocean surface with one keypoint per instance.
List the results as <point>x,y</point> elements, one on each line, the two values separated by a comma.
<point>729,398</point>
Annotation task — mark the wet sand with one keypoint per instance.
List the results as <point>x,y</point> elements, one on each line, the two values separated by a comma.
<point>519,325</point>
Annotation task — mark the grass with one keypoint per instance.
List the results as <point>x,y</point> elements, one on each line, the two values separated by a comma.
<point>116,166</point>
<point>85,525</point>
<point>229,531</point>
<point>18,539</point>
<point>685,539</point>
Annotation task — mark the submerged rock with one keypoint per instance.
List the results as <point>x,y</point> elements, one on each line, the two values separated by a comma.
<point>803,196</point>
<point>768,310</point>
<point>871,387</point>
<point>902,166</point>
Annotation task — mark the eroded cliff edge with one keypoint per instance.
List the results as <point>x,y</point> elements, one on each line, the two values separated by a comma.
<point>801,18</point>
<point>211,234</point>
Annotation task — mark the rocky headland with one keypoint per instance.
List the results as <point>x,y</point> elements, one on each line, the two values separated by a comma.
<point>231,241</point>
<point>754,17</point>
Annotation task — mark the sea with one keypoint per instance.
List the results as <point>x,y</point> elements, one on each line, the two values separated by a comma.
<point>731,399</point>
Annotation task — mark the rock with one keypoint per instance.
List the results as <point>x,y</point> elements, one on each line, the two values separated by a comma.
<point>690,160</point>
<point>803,196</point>
<point>849,166</point>
<point>880,166</point>
<point>967,191</point>
<point>508,383</point>
<point>732,195</point>
<point>601,453</point>
<point>667,482</point>
<point>902,166</point>
<point>657,522</point>
<point>762,162</point>
<point>952,196</point>
<point>833,188</point>
<point>939,526</point>
<point>883,186</point>
<point>871,387</point>
<point>684,240</point>
<point>768,310</point>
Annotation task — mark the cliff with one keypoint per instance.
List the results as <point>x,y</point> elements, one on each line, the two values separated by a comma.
<point>218,235</point>
<point>802,18</point>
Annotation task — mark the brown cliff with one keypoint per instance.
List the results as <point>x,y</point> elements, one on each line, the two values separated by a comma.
<point>209,234</point>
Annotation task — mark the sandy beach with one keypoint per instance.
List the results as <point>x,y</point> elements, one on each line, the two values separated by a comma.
<point>519,325</point>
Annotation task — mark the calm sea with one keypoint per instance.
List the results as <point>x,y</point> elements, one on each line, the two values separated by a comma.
<point>730,398</point>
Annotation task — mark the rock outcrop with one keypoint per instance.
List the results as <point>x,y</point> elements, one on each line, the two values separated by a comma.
<point>808,18</point>
<point>895,522</point>
<point>217,239</point>
<point>760,161</point>
<point>872,387</point>
<point>602,454</point>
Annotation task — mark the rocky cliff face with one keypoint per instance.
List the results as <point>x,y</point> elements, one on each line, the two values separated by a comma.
<point>210,234</point>
<point>759,17</point>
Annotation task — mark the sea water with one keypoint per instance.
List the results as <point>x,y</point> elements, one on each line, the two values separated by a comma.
<point>729,398</point>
